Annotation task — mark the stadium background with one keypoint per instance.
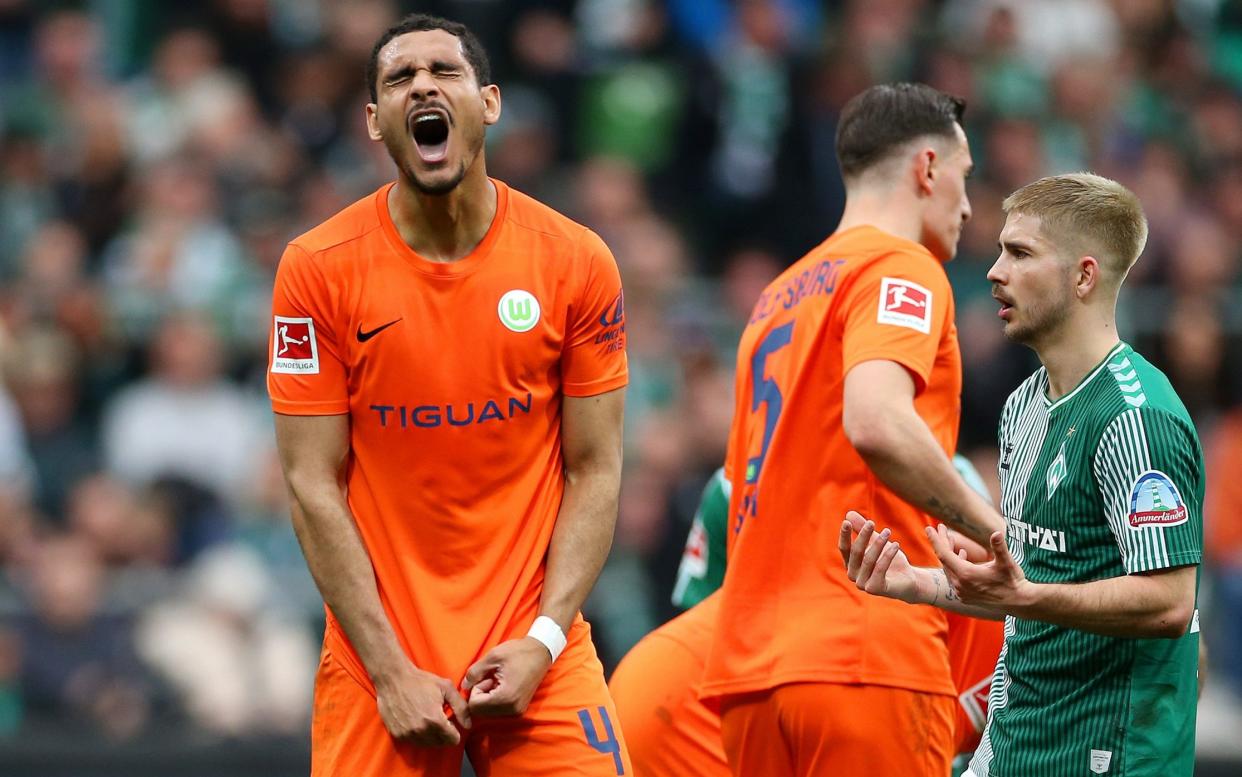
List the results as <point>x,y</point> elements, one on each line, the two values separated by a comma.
<point>155,613</point>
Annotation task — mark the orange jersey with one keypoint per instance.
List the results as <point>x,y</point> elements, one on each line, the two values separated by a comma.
<point>789,612</point>
<point>452,375</point>
<point>974,646</point>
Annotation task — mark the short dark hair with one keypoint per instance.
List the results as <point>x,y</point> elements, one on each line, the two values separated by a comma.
<point>884,117</point>
<point>419,22</point>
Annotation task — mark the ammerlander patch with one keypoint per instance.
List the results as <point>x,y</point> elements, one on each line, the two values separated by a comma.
<point>1154,501</point>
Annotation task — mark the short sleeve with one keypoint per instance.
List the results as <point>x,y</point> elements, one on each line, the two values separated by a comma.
<point>593,360</point>
<point>1148,469</point>
<point>702,566</point>
<point>897,309</point>
<point>306,370</point>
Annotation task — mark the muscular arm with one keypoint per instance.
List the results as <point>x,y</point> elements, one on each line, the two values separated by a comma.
<point>1146,605</point>
<point>877,565</point>
<point>313,451</point>
<point>591,444</point>
<point>882,425</point>
<point>1152,604</point>
<point>1143,605</point>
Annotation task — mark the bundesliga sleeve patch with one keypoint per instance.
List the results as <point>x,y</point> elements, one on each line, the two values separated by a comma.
<point>1154,501</point>
<point>905,303</point>
<point>294,348</point>
<point>694,557</point>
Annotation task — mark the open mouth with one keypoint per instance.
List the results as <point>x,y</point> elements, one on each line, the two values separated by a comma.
<point>1006,307</point>
<point>430,131</point>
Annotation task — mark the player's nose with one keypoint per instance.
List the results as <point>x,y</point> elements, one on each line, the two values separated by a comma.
<point>995,274</point>
<point>423,85</point>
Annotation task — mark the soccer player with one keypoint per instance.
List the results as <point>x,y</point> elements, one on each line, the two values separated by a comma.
<point>448,386</point>
<point>671,733</point>
<point>1102,487</point>
<point>848,390</point>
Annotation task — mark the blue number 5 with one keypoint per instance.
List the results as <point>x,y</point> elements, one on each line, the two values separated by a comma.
<point>766,392</point>
<point>609,745</point>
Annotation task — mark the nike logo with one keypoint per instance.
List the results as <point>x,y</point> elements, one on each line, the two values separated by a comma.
<point>364,336</point>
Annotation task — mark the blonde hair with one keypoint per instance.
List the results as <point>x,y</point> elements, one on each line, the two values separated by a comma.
<point>1086,214</point>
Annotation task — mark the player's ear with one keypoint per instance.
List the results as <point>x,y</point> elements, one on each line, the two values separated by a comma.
<point>925,169</point>
<point>1087,276</point>
<point>373,130</point>
<point>491,103</point>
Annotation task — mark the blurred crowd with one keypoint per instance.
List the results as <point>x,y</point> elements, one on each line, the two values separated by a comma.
<point>156,157</point>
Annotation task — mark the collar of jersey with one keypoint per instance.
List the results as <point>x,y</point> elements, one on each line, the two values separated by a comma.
<point>463,266</point>
<point>1050,405</point>
<point>871,232</point>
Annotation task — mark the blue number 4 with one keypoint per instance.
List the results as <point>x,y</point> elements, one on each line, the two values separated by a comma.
<point>766,392</point>
<point>608,745</point>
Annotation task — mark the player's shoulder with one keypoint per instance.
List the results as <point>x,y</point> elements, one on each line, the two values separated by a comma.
<point>868,246</point>
<point>869,254</point>
<point>1137,383</point>
<point>532,219</point>
<point>1133,390</point>
<point>354,222</point>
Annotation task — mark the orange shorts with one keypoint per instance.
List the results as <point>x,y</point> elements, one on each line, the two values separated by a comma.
<point>834,730</point>
<point>570,727</point>
<point>974,645</point>
<point>670,732</point>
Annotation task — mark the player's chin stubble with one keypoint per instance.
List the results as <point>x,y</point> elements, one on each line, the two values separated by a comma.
<point>1041,319</point>
<point>440,188</point>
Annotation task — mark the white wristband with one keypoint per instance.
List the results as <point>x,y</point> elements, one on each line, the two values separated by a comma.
<point>549,633</point>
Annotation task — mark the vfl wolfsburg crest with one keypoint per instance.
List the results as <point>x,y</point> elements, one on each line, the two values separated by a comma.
<point>518,310</point>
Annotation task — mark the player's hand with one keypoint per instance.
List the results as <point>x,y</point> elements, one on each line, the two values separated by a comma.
<point>974,551</point>
<point>875,563</point>
<point>412,708</point>
<point>998,584</point>
<point>505,680</point>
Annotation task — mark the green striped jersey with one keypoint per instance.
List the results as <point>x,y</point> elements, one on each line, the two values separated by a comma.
<point>1104,482</point>
<point>702,566</point>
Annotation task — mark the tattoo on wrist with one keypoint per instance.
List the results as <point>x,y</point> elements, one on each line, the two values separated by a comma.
<point>939,576</point>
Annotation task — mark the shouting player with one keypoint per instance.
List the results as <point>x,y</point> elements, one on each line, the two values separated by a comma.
<point>1102,487</point>
<point>448,382</point>
<point>848,390</point>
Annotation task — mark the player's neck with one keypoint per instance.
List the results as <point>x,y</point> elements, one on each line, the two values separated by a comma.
<point>444,227</point>
<point>882,210</point>
<point>1074,350</point>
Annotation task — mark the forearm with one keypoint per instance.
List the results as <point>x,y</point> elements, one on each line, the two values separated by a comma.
<point>342,570</point>
<point>580,541</point>
<point>902,452</point>
<point>1128,606</point>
